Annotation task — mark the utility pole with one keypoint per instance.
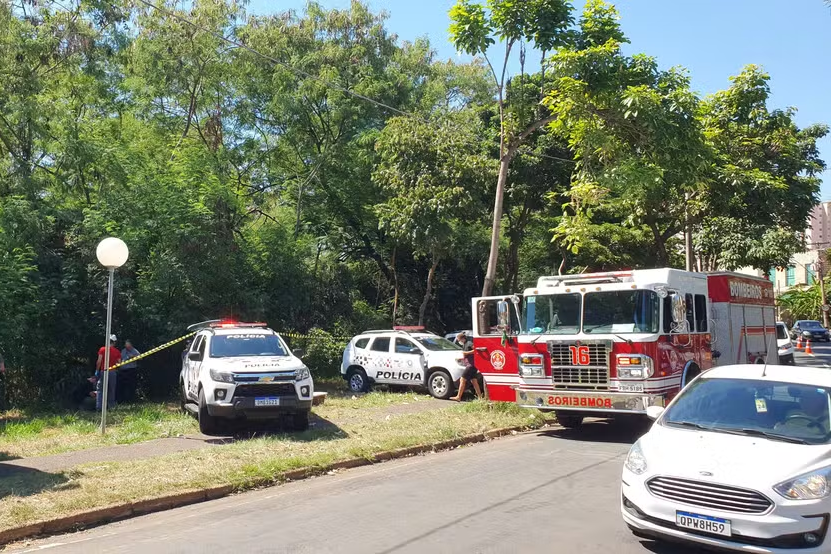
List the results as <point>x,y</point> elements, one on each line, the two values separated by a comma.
<point>821,276</point>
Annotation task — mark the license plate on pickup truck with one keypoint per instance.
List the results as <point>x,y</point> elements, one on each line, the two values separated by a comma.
<point>630,387</point>
<point>707,524</point>
<point>267,401</point>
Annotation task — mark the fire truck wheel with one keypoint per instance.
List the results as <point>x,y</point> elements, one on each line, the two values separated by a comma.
<point>569,421</point>
<point>440,384</point>
<point>357,379</point>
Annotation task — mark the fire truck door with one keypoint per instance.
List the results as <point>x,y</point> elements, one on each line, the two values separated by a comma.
<point>496,352</point>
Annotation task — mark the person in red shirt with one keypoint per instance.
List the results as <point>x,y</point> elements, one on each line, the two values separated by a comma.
<point>115,357</point>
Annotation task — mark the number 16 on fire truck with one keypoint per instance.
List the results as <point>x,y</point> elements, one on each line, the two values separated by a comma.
<point>606,344</point>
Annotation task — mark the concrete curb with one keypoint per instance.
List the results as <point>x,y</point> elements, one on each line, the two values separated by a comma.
<point>143,507</point>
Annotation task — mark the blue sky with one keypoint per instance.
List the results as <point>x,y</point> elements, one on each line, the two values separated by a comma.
<point>713,39</point>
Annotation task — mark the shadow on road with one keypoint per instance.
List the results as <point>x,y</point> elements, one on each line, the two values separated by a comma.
<point>659,547</point>
<point>625,431</point>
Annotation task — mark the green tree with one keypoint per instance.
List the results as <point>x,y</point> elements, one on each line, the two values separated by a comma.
<point>544,25</point>
<point>429,170</point>
<point>765,179</point>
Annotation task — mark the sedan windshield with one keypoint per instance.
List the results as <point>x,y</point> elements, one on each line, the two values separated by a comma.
<point>437,343</point>
<point>810,325</point>
<point>232,346</point>
<point>774,410</point>
<point>621,311</point>
<point>557,314</point>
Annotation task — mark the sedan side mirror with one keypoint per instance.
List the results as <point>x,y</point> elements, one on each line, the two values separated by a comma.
<point>195,356</point>
<point>654,412</point>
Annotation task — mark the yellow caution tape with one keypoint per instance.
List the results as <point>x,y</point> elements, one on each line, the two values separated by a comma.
<point>180,339</point>
<point>151,352</point>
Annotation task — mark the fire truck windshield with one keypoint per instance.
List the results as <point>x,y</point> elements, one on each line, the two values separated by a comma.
<point>621,311</point>
<point>556,314</point>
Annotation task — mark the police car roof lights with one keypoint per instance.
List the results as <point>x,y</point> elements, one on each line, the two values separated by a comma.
<point>224,324</point>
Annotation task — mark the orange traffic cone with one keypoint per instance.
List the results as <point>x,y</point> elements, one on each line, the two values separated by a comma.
<point>808,349</point>
<point>799,342</point>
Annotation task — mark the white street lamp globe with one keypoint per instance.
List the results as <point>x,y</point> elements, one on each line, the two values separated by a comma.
<point>112,252</point>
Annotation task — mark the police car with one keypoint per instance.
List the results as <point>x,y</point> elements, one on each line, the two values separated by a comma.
<point>238,370</point>
<point>401,357</point>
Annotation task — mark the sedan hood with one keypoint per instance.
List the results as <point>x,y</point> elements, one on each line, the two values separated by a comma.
<point>750,462</point>
<point>257,364</point>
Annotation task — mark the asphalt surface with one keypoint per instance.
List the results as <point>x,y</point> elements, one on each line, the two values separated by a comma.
<point>821,356</point>
<point>553,491</point>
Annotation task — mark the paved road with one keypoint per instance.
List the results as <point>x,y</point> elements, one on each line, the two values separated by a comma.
<point>821,356</point>
<point>551,491</point>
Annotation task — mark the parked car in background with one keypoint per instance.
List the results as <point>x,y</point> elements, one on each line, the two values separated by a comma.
<point>784,344</point>
<point>810,329</point>
<point>740,460</point>
<point>398,357</point>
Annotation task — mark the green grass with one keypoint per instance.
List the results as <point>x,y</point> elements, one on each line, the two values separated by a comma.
<point>249,463</point>
<point>30,434</point>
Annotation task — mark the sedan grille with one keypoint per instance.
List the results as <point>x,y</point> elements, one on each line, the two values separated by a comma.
<point>709,495</point>
<point>279,389</point>
<point>567,374</point>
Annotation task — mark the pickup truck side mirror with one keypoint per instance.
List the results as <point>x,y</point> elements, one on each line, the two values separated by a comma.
<point>298,352</point>
<point>195,356</point>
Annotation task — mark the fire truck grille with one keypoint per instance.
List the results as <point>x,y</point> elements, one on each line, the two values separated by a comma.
<point>709,495</point>
<point>568,367</point>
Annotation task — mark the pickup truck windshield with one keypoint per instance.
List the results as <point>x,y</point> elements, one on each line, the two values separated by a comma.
<point>244,344</point>
<point>621,311</point>
<point>556,314</point>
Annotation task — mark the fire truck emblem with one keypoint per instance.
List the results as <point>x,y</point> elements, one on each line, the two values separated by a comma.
<point>498,359</point>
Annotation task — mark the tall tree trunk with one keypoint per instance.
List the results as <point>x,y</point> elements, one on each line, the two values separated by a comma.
<point>395,285</point>
<point>422,311</point>
<point>512,261</point>
<point>490,274</point>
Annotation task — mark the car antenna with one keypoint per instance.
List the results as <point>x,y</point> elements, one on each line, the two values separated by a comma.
<point>767,353</point>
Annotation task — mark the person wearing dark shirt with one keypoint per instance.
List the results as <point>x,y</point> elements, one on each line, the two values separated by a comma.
<point>127,374</point>
<point>470,375</point>
<point>115,357</point>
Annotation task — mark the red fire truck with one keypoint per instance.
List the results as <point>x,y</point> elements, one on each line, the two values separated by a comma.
<point>601,344</point>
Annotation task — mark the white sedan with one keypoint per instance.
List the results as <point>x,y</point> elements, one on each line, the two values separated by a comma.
<point>740,460</point>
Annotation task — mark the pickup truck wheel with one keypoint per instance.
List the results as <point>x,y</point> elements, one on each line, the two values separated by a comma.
<point>207,422</point>
<point>183,397</point>
<point>569,421</point>
<point>300,421</point>
<point>357,380</point>
<point>440,384</point>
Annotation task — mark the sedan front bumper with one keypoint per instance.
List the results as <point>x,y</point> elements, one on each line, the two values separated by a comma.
<point>781,529</point>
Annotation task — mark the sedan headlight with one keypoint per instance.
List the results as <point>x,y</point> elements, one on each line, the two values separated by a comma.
<point>222,376</point>
<point>635,460</point>
<point>809,486</point>
<point>302,374</point>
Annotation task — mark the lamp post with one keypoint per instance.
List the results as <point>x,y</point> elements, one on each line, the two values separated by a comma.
<point>112,253</point>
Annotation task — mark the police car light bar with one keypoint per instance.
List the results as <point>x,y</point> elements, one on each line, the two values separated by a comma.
<point>223,324</point>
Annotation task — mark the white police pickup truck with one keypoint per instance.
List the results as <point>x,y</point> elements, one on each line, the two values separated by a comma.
<point>399,357</point>
<point>243,370</point>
